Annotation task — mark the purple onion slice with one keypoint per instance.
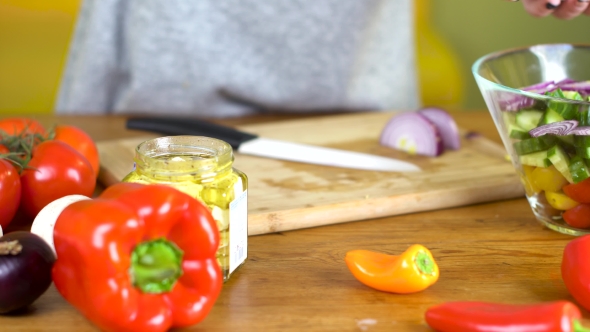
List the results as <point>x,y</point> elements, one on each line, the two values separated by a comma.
<point>413,133</point>
<point>582,131</point>
<point>560,128</point>
<point>583,87</point>
<point>449,132</point>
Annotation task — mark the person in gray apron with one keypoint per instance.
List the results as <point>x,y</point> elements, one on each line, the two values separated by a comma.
<point>224,58</point>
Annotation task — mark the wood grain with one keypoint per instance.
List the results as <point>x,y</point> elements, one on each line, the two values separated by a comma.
<point>297,280</point>
<point>287,195</point>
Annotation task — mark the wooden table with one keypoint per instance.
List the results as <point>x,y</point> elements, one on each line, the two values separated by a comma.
<point>298,281</point>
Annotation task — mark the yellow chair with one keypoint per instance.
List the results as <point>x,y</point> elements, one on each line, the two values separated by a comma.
<point>439,74</point>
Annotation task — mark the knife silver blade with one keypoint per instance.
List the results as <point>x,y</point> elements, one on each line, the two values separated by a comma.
<point>247,143</point>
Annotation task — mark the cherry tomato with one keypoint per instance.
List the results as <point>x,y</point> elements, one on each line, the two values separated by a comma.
<point>579,192</point>
<point>578,216</point>
<point>16,126</point>
<point>10,191</point>
<point>55,170</point>
<point>81,142</point>
<point>3,149</point>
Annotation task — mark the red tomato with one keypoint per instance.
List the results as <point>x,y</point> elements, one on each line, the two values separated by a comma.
<point>579,192</point>
<point>10,191</point>
<point>56,170</point>
<point>3,149</point>
<point>81,142</point>
<point>578,216</point>
<point>15,126</point>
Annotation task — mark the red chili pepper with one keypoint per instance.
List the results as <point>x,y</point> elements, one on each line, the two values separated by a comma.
<point>138,258</point>
<point>575,270</point>
<point>497,317</point>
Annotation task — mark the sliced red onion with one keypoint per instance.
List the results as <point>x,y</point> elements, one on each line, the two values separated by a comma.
<point>583,87</point>
<point>560,128</point>
<point>582,131</point>
<point>413,133</point>
<point>446,126</point>
<point>540,86</point>
<point>513,102</point>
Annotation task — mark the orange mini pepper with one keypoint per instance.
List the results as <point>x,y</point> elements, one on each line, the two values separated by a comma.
<point>412,271</point>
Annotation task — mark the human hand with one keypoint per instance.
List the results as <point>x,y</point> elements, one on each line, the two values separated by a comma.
<point>562,9</point>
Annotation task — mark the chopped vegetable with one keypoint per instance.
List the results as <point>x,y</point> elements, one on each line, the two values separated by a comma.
<point>25,269</point>
<point>560,128</point>
<point>413,133</point>
<point>138,258</point>
<point>412,271</point>
<point>578,216</point>
<point>487,316</point>
<point>429,131</point>
<point>446,125</point>
<point>575,270</point>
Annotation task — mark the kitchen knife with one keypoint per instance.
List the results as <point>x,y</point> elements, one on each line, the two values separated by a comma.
<point>247,143</point>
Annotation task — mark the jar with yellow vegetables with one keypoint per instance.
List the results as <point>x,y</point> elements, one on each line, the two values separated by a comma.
<point>203,168</point>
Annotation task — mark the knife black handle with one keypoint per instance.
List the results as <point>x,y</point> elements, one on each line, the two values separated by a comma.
<point>172,126</point>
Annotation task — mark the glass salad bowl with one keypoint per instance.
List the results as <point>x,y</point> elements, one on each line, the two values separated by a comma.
<point>539,98</point>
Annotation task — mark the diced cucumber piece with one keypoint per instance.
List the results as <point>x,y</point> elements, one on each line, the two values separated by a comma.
<point>519,134</point>
<point>534,144</point>
<point>583,118</point>
<point>565,110</point>
<point>561,161</point>
<point>583,152</point>
<point>528,119</point>
<point>537,159</point>
<point>550,116</point>
<point>579,169</point>
<point>573,95</point>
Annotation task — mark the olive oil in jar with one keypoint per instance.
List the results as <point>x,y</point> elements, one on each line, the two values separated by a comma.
<point>201,167</point>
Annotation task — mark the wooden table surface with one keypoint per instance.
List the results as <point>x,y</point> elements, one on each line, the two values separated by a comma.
<point>298,281</point>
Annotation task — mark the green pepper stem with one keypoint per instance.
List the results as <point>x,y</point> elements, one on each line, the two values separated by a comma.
<point>424,263</point>
<point>155,266</point>
<point>578,327</point>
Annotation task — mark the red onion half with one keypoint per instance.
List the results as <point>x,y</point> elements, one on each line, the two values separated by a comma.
<point>446,125</point>
<point>560,128</point>
<point>413,133</point>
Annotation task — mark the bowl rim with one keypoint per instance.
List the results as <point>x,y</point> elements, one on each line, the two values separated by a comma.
<point>496,54</point>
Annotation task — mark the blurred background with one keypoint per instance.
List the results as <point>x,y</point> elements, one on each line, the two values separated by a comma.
<point>451,35</point>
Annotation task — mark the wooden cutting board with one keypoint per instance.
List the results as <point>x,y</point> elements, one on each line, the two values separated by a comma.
<point>287,195</point>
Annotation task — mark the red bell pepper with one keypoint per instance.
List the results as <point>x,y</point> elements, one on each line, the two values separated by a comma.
<point>497,317</point>
<point>138,258</point>
<point>575,270</point>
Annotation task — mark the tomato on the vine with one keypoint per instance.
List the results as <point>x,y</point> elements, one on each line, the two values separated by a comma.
<point>21,125</point>
<point>55,170</point>
<point>10,192</point>
<point>81,142</point>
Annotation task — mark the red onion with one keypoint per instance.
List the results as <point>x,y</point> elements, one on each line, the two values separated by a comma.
<point>25,269</point>
<point>560,128</point>
<point>413,133</point>
<point>582,131</point>
<point>446,126</point>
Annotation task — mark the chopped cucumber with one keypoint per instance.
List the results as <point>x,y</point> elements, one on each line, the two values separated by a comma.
<point>564,110</point>
<point>550,116</point>
<point>579,169</point>
<point>561,161</point>
<point>537,159</point>
<point>534,144</point>
<point>528,119</point>
<point>519,134</point>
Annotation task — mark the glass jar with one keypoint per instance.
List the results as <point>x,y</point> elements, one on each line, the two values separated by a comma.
<point>201,167</point>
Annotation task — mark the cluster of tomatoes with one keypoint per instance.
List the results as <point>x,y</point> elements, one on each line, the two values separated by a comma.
<point>39,165</point>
